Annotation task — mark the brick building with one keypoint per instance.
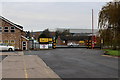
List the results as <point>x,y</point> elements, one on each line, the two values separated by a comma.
<point>12,34</point>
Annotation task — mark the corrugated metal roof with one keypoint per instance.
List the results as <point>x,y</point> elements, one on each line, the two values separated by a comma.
<point>78,30</point>
<point>82,30</point>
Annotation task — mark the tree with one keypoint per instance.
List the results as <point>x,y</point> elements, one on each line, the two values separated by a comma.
<point>109,15</point>
<point>62,34</point>
<point>28,34</point>
<point>66,32</point>
<point>45,34</point>
<point>109,19</point>
<point>57,33</point>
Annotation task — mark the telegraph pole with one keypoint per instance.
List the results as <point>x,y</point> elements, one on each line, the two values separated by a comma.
<point>92,30</point>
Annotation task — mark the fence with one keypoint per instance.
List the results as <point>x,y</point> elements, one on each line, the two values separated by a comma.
<point>33,45</point>
<point>37,46</point>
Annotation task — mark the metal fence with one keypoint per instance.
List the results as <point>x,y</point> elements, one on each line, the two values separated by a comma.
<point>37,46</point>
<point>33,45</point>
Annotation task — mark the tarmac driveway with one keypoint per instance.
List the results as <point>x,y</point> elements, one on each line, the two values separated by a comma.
<point>79,63</point>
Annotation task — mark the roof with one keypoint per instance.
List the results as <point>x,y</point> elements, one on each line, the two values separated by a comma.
<point>81,34</point>
<point>83,30</point>
<point>76,38</point>
<point>37,32</point>
<point>17,26</point>
<point>78,30</point>
<point>24,37</point>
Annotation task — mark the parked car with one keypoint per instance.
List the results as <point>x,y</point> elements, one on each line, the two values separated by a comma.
<point>72,44</point>
<point>6,47</point>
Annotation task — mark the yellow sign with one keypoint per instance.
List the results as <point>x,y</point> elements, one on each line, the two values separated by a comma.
<point>90,44</point>
<point>81,41</point>
<point>90,41</point>
<point>50,39</point>
<point>54,43</point>
<point>44,39</point>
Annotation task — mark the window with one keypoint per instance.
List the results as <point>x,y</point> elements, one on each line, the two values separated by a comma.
<point>6,41</point>
<point>6,29</point>
<point>12,29</point>
<point>0,29</point>
<point>12,43</point>
<point>1,44</point>
<point>0,41</point>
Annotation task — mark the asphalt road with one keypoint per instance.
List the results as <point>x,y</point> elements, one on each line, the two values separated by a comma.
<point>79,63</point>
<point>2,57</point>
<point>4,54</point>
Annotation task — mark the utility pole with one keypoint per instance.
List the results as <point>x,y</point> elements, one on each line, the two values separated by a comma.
<point>92,30</point>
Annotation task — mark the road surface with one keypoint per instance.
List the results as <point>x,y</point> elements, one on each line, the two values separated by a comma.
<point>79,63</point>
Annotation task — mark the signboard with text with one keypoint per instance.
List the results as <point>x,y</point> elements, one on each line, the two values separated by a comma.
<point>44,39</point>
<point>43,46</point>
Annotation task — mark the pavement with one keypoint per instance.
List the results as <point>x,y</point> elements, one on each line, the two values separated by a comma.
<point>11,53</point>
<point>26,66</point>
<point>79,63</point>
<point>4,54</point>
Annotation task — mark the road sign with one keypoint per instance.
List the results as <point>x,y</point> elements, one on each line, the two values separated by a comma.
<point>81,41</point>
<point>43,46</point>
<point>50,39</point>
<point>47,43</point>
<point>44,39</point>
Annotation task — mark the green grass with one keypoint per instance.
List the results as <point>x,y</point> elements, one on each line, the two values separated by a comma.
<point>112,52</point>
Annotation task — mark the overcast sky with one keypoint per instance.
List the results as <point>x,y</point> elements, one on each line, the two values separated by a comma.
<point>41,15</point>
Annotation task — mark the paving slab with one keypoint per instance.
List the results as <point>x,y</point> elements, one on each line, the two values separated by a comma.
<point>26,66</point>
<point>0,70</point>
<point>12,67</point>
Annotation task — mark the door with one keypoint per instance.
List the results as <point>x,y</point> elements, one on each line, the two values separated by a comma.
<point>24,45</point>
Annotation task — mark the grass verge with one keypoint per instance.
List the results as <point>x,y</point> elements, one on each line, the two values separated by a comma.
<point>112,52</point>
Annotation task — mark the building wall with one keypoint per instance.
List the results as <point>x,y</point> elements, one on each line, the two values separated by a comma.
<point>60,42</point>
<point>12,38</point>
